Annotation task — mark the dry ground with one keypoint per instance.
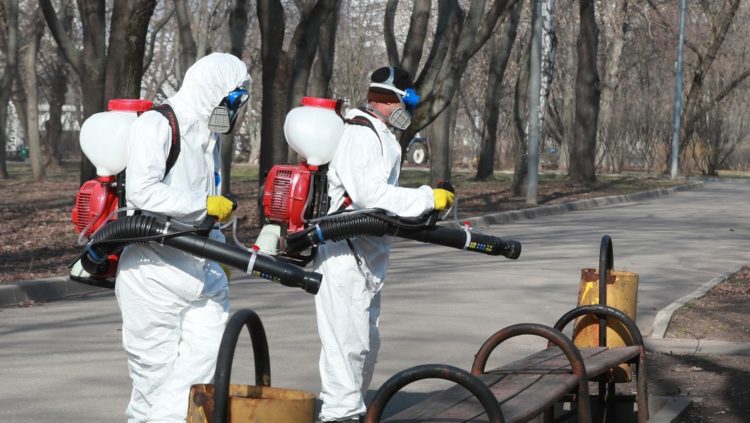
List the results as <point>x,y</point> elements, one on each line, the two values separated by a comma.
<point>723,382</point>
<point>37,240</point>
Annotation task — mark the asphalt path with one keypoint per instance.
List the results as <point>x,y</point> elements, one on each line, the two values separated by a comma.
<point>62,361</point>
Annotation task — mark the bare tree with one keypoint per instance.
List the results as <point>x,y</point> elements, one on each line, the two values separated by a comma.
<point>285,72</point>
<point>9,38</point>
<point>563,97</point>
<point>582,155</point>
<point>196,27</point>
<point>53,84</point>
<point>188,48</point>
<point>237,30</point>
<point>320,80</point>
<point>499,56</point>
<point>127,46</point>
<point>90,61</point>
<point>458,35</point>
<point>615,21</point>
<point>520,150</point>
<point>713,146</point>
<point>699,99</point>
<point>30,86</point>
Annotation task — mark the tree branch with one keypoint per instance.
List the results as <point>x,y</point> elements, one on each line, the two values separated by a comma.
<point>388,33</point>
<point>73,55</point>
<point>158,26</point>
<point>415,38</point>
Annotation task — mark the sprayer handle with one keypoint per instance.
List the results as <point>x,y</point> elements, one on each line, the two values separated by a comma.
<point>233,198</point>
<point>205,227</point>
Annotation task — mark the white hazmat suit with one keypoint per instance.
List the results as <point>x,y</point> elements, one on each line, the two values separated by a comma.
<point>348,303</point>
<point>174,305</point>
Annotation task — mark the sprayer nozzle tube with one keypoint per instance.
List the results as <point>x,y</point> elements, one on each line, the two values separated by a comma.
<point>145,227</point>
<point>465,240</point>
<point>265,267</point>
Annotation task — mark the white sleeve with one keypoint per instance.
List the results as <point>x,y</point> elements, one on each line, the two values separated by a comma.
<point>148,147</point>
<point>360,166</point>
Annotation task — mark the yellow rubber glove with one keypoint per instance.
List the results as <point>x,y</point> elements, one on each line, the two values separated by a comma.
<point>443,198</point>
<point>227,271</point>
<point>219,206</point>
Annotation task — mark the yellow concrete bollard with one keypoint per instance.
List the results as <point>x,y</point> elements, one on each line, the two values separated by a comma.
<point>622,294</point>
<point>253,404</point>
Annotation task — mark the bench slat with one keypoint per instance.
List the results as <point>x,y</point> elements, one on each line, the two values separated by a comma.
<point>602,361</point>
<point>521,397</point>
<point>533,401</point>
<point>439,403</point>
<point>597,360</point>
<point>523,388</point>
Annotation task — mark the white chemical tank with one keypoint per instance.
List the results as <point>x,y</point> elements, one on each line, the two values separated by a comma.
<point>104,136</point>
<point>313,129</point>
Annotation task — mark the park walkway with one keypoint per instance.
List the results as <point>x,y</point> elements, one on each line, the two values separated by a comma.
<point>64,361</point>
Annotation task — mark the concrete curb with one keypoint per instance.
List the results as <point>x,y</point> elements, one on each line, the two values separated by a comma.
<point>41,290</point>
<point>691,346</point>
<point>669,409</point>
<point>682,346</point>
<point>664,316</point>
<point>533,212</point>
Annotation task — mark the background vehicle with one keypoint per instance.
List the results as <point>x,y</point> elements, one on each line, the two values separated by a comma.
<point>418,150</point>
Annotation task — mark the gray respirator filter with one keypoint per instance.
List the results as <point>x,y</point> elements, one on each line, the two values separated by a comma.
<point>219,121</point>
<point>399,119</point>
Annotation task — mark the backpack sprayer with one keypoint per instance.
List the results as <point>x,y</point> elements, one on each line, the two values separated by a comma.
<point>96,209</point>
<point>295,199</point>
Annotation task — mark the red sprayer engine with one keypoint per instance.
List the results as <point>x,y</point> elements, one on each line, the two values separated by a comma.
<point>293,194</point>
<point>103,140</point>
<point>96,200</point>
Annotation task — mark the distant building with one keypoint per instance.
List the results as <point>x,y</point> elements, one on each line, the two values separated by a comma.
<point>16,134</point>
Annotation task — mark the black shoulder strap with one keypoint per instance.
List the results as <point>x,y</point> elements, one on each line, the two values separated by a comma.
<point>174,149</point>
<point>363,121</point>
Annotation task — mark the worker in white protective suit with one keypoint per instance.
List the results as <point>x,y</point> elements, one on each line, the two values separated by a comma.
<point>174,305</point>
<point>363,174</point>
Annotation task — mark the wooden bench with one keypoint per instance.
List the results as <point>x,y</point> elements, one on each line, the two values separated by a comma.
<point>527,388</point>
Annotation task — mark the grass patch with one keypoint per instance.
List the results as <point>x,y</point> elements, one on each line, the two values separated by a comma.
<point>22,171</point>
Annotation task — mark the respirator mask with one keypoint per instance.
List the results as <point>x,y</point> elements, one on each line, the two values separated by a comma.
<point>400,118</point>
<point>224,115</point>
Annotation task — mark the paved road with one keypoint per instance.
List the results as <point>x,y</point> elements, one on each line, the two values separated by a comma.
<point>63,362</point>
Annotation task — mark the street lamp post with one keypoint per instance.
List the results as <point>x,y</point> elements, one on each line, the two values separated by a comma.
<point>678,93</point>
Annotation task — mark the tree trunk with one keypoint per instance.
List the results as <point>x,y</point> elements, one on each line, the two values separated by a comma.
<point>275,67</point>
<point>31,90</point>
<point>237,30</point>
<point>285,73</point>
<point>88,63</point>
<point>188,49</point>
<point>615,20</point>
<point>9,73</point>
<point>53,126</point>
<point>441,145</point>
<point>499,56</point>
<point>58,86</point>
<point>583,151</point>
<point>695,107</point>
<point>100,80</point>
<point>127,47</point>
<point>520,152</point>
<point>320,82</point>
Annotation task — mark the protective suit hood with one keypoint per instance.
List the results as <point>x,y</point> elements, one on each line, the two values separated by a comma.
<point>209,80</point>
